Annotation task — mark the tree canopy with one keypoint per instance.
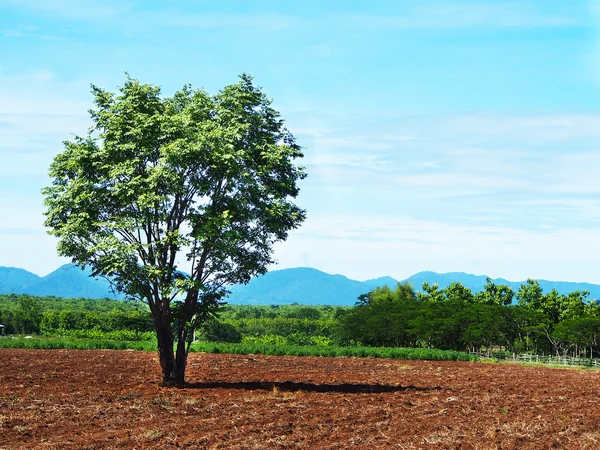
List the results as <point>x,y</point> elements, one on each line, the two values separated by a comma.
<point>175,198</point>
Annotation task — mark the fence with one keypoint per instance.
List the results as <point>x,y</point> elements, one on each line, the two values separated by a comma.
<point>540,359</point>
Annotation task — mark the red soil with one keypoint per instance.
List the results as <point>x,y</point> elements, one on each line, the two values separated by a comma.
<point>111,399</point>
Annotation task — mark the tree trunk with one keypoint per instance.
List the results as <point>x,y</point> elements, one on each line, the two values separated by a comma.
<point>173,369</point>
<point>172,363</point>
<point>181,360</point>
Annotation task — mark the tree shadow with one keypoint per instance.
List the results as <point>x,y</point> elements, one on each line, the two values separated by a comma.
<point>291,386</point>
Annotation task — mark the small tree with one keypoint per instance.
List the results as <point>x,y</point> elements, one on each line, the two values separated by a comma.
<point>174,198</point>
<point>495,294</point>
<point>28,315</point>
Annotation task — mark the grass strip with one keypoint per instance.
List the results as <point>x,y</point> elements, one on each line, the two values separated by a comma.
<point>75,344</point>
<point>334,351</point>
<point>244,349</point>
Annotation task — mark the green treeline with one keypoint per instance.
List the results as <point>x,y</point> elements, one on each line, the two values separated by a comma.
<point>456,319</point>
<point>86,318</point>
<point>453,318</point>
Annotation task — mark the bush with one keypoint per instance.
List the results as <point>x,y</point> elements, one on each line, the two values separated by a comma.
<point>215,331</point>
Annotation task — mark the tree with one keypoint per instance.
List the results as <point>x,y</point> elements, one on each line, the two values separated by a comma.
<point>530,294</point>
<point>495,294</point>
<point>431,293</point>
<point>483,325</point>
<point>457,292</point>
<point>28,315</point>
<point>380,317</point>
<point>174,198</point>
<point>580,332</point>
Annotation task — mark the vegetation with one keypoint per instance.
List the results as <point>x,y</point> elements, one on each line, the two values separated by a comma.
<point>205,181</point>
<point>451,319</point>
<point>243,349</point>
<point>52,316</point>
<point>456,319</point>
<point>77,344</point>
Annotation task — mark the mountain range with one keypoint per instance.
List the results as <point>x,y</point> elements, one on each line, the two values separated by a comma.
<point>67,281</point>
<point>301,285</point>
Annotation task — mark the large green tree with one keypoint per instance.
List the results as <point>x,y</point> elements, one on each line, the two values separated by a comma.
<point>175,198</point>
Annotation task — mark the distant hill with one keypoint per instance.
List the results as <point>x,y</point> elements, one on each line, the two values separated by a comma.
<point>16,281</point>
<point>70,281</point>
<point>476,283</point>
<point>301,285</point>
<point>312,287</point>
<point>381,281</point>
<point>67,281</point>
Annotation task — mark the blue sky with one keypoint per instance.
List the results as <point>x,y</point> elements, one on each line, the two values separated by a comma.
<point>439,135</point>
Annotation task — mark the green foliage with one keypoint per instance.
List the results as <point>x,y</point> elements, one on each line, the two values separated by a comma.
<point>27,315</point>
<point>265,340</point>
<point>76,344</point>
<point>274,347</point>
<point>157,180</point>
<point>454,319</point>
<point>7,319</point>
<point>98,334</point>
<point>495,294</point>
<point>458,293</point>
<point>578,333</point>
<point>555,306</point>
<point>215,331</point>
<point>334,351</point>
<point>447,319</point>
<point>136,321</point>
<point>300,339</point>
<point>9,302</point>
<point>51,316</point>
<point>381,318</point>
<point>531,294</point>
<point>431,293</point>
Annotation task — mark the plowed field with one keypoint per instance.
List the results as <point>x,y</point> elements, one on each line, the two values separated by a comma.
<point>112,399</point>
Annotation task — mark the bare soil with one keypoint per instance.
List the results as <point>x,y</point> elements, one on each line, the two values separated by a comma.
<point>112,399</point>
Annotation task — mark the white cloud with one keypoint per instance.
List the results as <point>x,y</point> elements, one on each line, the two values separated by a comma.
<point>131,16</point>
<point>13,164</point>
<point>72,9</point>
<point>461,14</point>
<point>496,171</point>
<point>15,34</point>
<point>365,247</point>
<point>43,76</point>
<point>29,220</point>
<point>546,126</point>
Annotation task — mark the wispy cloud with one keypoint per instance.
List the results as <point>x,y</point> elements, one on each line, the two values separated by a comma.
<point>72,9</point>
<point>418,15</point>
<point>463,16</point>
<point>400,246</point>
<point>471,169</point>
<point>130,16</point>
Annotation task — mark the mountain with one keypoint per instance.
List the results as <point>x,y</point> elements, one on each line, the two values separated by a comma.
<point>67,281</point>
<point>13,280</point>
<point>476,283</point>
<point>70,281</point>
<point>302,285</point>
<point>381,281</point>
<point>312,287</point>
